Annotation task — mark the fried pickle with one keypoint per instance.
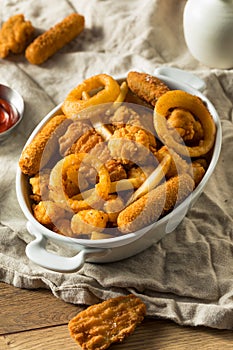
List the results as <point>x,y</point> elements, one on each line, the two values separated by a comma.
<point>109,322</point>
<point>48,43</point>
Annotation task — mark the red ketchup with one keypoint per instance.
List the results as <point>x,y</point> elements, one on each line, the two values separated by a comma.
<point>8,115</point>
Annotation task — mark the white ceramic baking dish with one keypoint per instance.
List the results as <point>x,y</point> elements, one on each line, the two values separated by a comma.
<point>117,248</point>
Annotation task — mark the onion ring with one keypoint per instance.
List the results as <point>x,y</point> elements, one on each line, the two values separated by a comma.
<point>66,172</point>
<point>182,99</point>
<point>78,100</point>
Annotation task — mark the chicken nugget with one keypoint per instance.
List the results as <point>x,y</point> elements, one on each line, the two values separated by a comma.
<point>109,322</point>
<point>157,202</point>
<point>146,86</point>
<point>48,43</point>
<point>15,34</point>
<point>31,160</point>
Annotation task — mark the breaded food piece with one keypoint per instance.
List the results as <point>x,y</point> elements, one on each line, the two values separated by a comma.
<point>48,43</point>
<point>130,144</point>
<point>87,221</point>
<point>149,207</point>
<point>86,142</point>
<point>48,212</point>
<point>109,322</point>
<point>146,86</point>
<point>39,184</point>
<point>31,160</point>
<point>72,134</point>
<point>15,35</point>
<point>116,170</point>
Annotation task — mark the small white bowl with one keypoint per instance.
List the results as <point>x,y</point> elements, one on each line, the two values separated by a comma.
<point>117,248</point>
<point>16,100</point>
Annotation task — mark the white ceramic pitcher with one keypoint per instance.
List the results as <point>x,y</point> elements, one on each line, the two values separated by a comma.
<point>208,31</point>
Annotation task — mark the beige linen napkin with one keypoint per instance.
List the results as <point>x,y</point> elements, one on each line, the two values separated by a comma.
<point>188,275</point>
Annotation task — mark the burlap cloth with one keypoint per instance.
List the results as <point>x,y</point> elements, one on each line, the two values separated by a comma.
<point>187,276</point>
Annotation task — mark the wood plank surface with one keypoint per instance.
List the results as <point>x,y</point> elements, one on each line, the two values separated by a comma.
<point>36,320</point>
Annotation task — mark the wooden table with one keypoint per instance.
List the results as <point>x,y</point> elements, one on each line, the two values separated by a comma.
<point>37,320</point>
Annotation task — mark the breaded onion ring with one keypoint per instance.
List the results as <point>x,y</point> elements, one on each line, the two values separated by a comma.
<point>79,98</point>
<point>182,99</point>
<point>64,179</point>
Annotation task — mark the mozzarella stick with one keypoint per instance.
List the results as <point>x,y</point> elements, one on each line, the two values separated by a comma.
<point>148,208</point>
<point>31,158</point>
<point>48,43</point>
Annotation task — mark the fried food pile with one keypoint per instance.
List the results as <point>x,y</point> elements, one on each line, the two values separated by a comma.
<point>16,34</point>
<point>109,322</point>
<point>104,166</point>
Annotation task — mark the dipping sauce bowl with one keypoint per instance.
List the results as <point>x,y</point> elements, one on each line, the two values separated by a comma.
<point>11,110</point>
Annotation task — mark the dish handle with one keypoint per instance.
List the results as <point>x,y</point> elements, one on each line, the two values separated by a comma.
<point>36,252</point>
<point>181,75</point>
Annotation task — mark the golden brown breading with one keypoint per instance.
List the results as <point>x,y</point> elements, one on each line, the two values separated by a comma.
<point>72,134</point>
<point>130,144</point>
<point>40,183</point>
<point>116,170</point>
<point>178,165</point>
<point>48,43</point>
<point>185,125</point>
<point>87,221</point>
<point>109,322</point>
<point>199,168</point>
<point>161,200</point>
<point>113,206</point>
<point>146,86</point>
<point>31,157</point>
<point>15,34</point>
<point>48,212</point>
<point>86,142</point>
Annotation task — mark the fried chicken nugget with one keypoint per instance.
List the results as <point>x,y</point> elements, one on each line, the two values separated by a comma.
<point>15,34</point>
<point>48,43</point>
<point>149,207</point>
<point>146,86</point>
<point>109,322</point>
<point>30,161</point>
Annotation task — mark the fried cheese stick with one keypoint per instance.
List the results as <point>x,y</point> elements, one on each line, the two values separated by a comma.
<point>48,43</point>
<point>31,159</point>
<point>148,208</point>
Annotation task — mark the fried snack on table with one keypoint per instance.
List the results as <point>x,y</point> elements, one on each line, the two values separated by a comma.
<point>193,104</point>
<point>48,43</point>
<point>31,160</point>
<point>87,221</point>
<point>74,102</point>
<point>109,322</point>
<point>146,86</point>
<point>15,35</point>
<point>161,200</point>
